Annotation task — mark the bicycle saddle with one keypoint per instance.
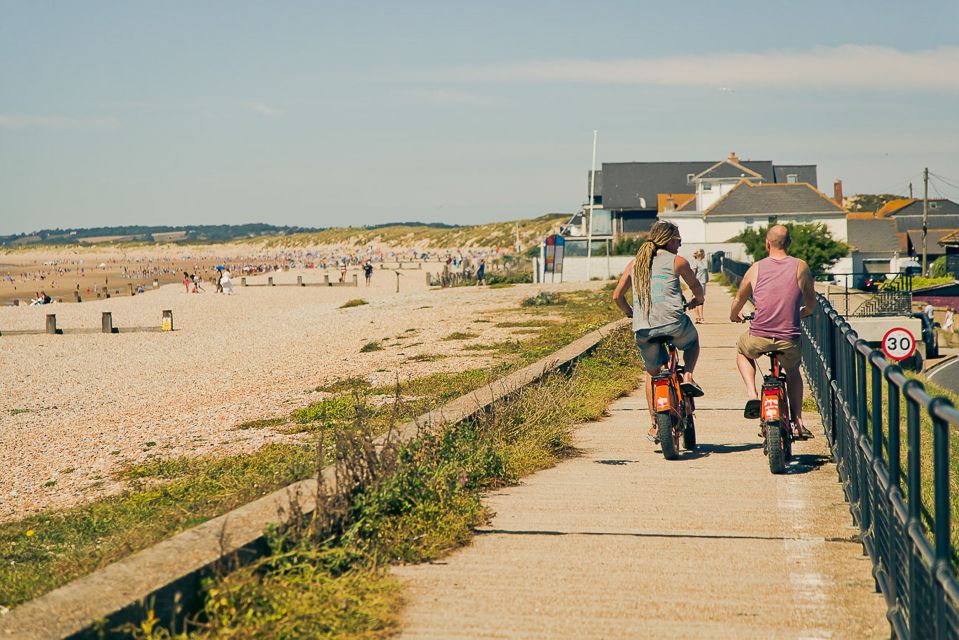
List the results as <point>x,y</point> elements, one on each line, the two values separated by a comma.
<point>661,339</point>
<point>770,353</point>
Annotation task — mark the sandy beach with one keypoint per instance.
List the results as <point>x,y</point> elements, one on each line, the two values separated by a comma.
<point>77,408</point>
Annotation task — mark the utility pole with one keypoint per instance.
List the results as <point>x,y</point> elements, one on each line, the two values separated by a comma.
<point>910,191</point>
<point>592,193</point>
<point>925,215</point>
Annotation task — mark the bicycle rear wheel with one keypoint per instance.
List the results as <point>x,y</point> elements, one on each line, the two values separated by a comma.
<point>775,448</point>
<point>689,433</point>
<point>668,440</point>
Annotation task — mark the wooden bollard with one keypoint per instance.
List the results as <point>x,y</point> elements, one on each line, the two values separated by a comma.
<point>299,281</point>
<point>106,322</point>
<point>242,282</point>
<point>131,288</point>
<point>269,281</point>
<point>156,284</point>
<point>429,281</point>
<point>400,266</point>
<point>326,279</point>
<point>167,320</point>
<point>16,302</point>
<point>76,296</point>
<point>52,323</point>
<point>356,280</point>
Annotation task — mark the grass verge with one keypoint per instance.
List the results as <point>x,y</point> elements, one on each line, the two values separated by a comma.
<point>328,576</point>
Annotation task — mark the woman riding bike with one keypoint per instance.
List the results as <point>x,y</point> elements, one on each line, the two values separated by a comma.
<point>657,309</point>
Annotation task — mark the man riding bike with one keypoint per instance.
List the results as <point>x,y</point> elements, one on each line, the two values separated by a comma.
<point>657,307</point>
<point>782,290</point>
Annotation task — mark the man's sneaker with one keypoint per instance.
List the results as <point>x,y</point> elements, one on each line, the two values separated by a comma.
<point>692,389</point>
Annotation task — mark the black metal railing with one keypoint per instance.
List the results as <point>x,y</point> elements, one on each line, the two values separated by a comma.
<point>734,270</point>
<point>860,396</point>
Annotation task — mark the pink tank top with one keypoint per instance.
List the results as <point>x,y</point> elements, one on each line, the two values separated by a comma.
<point>777,297</point>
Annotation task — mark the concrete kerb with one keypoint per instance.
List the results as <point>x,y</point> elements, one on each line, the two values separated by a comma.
<point>166,576</point>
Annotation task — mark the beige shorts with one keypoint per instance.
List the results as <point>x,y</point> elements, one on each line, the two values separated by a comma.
<point>754,346</point>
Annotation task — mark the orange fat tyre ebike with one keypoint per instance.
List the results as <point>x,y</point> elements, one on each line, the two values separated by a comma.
<point>673,409</point>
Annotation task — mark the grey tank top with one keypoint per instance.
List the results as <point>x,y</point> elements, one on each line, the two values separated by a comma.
<point>665,295</point>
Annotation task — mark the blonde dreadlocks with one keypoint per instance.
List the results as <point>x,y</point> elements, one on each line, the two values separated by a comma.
<point>659,236</point>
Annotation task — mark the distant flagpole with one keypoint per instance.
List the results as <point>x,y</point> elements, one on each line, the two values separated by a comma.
<point>592,192</point>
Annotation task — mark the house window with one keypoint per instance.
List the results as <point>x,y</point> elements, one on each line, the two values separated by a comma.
<point>792,177</point>
<point>707,186</point>
<point>750,221</point>
<point>933,205</point>
<point>773,219</point>
<point>689,178</point>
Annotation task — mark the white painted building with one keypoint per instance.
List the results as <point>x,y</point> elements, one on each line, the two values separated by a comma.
<point>731,198</point>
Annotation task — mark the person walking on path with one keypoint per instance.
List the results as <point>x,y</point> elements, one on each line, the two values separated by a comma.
<point>656,307</point>
<point>480,273</point>
<point>187,281</point>
<point>702,275</point>
<point>781,287</point>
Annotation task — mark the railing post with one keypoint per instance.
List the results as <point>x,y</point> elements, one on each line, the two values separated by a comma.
<point>914,488</point>
<point>895,474</point>
<point>52,323</point>
<point>940,445</point>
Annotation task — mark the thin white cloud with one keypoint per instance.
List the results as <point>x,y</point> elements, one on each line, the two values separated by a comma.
<point>844,67</point>
<point>264,109</point>
<point>14,121</point>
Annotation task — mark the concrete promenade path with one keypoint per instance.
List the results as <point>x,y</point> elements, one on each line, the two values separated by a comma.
<point>619,543</point>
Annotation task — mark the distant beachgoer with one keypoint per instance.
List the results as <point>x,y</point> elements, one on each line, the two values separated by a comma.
<point>226,282</point>
<point>481,273</point>
<point>197,287</point>
<point>368,272</point>
<point>948,320</point>
<point>187,281</point>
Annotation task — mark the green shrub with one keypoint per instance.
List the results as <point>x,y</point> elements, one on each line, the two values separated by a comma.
<point>355,302</point>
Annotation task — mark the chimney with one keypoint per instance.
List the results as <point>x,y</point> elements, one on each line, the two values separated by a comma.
<point>732,157</point>
<point>837,193</point>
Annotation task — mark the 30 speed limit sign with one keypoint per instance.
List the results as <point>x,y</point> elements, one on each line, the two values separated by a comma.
<point>898,344</point>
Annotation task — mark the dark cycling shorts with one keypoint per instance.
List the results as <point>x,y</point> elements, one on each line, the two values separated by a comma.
<point>654,355</point>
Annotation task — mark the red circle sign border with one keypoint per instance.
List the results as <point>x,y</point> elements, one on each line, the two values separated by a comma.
<point>911,351</point>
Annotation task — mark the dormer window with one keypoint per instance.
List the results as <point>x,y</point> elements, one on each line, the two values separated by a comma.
<point>707,186</point>
<point>792,178</point>
<point>690,177</point>
<point>933,205</point>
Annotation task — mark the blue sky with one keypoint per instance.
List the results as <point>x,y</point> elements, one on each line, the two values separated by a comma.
<point>339,113</point>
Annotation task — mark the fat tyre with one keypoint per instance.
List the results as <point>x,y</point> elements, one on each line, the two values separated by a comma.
<point>775,449</point>
<point>664,427</point>
<point>689,434</point>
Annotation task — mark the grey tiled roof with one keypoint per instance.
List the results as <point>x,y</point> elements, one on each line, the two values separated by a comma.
<point>624,183</point>
<point>803,173</point>
<point>772,199</point>
<point>936,207</point>
<point>872,236</point>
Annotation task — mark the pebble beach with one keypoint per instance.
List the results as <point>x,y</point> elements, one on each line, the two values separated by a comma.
<point>76,409</point>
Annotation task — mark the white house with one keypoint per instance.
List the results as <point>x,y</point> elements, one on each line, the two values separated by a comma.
<point>730,198</point>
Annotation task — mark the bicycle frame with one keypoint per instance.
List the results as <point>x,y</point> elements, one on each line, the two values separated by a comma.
<point>775,400</point>
<point>666,390</point>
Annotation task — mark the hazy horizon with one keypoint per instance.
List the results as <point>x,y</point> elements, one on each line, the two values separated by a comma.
<point>324,115</point>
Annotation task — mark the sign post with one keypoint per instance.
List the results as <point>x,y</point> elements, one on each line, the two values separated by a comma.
<point>898,344</point>
<point>553,249</point>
